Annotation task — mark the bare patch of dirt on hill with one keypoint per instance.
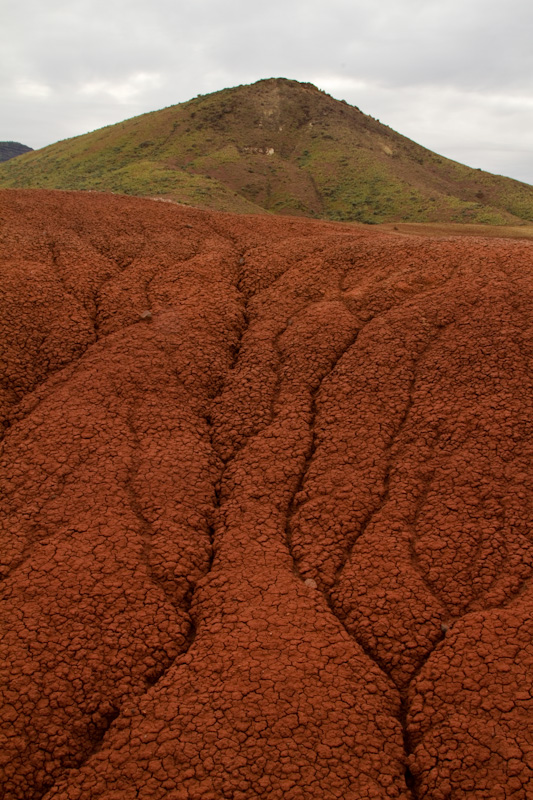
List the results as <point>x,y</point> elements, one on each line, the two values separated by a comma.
<point>266,510</point>
<point>460,229</point>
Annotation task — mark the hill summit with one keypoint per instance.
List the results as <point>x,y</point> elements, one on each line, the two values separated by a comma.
<point>275,146</point>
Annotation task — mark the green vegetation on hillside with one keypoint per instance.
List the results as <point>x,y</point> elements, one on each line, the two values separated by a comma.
<point>275,146</point>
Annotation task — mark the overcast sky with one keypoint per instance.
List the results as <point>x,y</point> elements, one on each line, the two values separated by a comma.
<point>454,75</point>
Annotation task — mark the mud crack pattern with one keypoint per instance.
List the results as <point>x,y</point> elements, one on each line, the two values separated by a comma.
<point>266,507</point>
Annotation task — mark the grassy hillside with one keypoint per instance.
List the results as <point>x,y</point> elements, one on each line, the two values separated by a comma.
<point>276,146</point>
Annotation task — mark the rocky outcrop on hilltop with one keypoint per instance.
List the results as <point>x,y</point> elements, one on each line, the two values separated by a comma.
<point>12,149</point>
<point>266,512</point>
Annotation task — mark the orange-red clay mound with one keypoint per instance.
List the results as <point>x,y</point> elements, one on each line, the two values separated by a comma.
<point>266,508</point>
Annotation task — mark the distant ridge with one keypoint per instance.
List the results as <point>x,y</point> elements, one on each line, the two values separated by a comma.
<point>10,150</point>
<point>276,146</point>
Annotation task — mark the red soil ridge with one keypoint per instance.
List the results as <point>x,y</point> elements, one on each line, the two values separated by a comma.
<point>266,509</point>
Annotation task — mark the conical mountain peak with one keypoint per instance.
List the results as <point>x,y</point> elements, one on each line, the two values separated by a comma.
<point>275,146</point>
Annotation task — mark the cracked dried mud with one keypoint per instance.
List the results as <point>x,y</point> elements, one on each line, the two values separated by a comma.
<point>266,507</point>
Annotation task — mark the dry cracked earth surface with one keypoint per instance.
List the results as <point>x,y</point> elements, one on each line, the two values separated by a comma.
<point>266,507</point>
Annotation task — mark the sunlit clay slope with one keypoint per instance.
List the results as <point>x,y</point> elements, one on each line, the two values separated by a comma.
<point>275,146</point>
<point>266,509</point>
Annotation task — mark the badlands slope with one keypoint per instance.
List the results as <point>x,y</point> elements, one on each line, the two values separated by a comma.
<point>266,510</point>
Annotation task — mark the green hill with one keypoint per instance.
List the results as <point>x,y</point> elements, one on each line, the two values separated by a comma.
<point>275,146</point>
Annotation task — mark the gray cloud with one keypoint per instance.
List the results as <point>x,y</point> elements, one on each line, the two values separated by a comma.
<point>455,75</point>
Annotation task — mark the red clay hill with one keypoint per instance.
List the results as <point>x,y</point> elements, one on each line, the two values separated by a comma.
<point>266,508</point>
